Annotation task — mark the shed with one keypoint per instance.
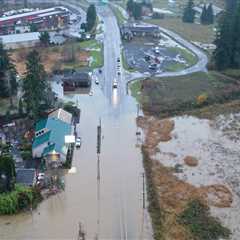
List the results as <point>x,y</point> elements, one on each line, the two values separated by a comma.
<point>26,176</point>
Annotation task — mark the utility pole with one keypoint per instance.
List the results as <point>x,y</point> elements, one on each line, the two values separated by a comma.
<point>99,138</point>
<point>143,176</point>
<point>81,233</point>
<point>138,133</point>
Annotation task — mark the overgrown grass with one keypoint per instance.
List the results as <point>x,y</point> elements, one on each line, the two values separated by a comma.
<point>156,213</point>
<point>197,218</point>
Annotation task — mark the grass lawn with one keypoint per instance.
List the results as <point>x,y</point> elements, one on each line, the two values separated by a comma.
<point>190,58</point>
<point>125,65</point>
<point>135,88</point>
<point>191,32</point>
<point>175,67</point>
<point>118,14</point>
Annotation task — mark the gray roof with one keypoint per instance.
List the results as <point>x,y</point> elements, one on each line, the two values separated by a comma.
<point>19,38</point>
<point>77,76</point>
<point>26,176</point>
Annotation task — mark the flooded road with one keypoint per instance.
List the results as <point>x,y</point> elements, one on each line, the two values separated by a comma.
<point>117,212</point>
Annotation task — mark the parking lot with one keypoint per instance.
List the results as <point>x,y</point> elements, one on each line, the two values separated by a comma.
<point>154,55</point>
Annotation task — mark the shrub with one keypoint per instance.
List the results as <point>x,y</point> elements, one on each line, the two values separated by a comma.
<point>202,99</point>
<point>203,226</point>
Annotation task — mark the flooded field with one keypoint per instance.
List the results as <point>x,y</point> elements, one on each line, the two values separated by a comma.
<point>206,156</point>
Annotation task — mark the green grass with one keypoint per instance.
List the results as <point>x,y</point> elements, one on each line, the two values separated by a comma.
<point>118,14</point>
<point>191,32</point>
<point>175,67</point>
<point>190,58</point>
<point>125,65</point>
<point>96,52</point>
<point>135,88</point>
<point>235,73</point>
<point>201,224</point>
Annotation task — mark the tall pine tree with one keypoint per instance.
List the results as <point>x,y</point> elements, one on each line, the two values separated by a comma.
<point>34,85</point>
<point>203,17</point>
<point>210,14</point>
<point>91,17</point>
<point>189,12</point>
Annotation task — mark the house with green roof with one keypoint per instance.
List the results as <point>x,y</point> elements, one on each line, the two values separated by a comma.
<point>51,139</point>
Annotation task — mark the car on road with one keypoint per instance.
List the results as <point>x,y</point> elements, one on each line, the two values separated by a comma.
<point>100,70</point>
<point>96,81</point>
<point>118,73</point>
<point>118,60</point>
<point>78,142</point>
<point>115,83</point>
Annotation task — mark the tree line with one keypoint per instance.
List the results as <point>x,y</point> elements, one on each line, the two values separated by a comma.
<point>206,17</point>
<point>135,8</point>
<point>227,53</point>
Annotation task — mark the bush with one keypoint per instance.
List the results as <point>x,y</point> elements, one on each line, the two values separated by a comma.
<point>203,226</point>
<point>201,99</point>
<point>19,199</point>
<point>26,155</point>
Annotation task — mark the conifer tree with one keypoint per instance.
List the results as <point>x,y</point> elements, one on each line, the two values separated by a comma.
<point>34,85</point>
<point>189,12</point>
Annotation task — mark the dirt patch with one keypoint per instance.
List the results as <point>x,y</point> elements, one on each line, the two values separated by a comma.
<point>217,195</point>
<point>190,161</point>
<point>155,131</point>
<point>53,58</point>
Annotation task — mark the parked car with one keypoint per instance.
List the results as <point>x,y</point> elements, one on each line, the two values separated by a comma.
<point>96,80</point>
<point>115,83</point>
<point>153,66</point>
<point>41,176</point>
<point>78,142</point>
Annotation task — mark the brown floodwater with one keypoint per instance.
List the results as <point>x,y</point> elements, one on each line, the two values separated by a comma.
<point>110,208</point>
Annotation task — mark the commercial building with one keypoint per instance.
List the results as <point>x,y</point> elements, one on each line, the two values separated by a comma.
<point>52,135</point>
<point>14,41</point>
<point>128,31</point>
<point>45,19</point>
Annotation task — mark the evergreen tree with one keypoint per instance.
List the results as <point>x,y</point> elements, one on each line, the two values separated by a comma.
<point>34,85</point>
<point>227,53</point>
<point>20,107</point>
<point>44,38</point>
<point>189,12</point>
<point>203,17</point>
<point>8,85</point>
<point>224,43</point>
<point>130,6</point>
<point>137,11</point>
<point>91,17</point>
<point>210,14</point>
<point>7,173</point>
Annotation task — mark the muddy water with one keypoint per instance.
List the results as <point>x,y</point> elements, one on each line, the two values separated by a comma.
<point>111,209</point>
<point>216,146</point>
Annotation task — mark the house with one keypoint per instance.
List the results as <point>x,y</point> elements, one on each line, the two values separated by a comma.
<point>76,80</point>
<point>216,10</point>
<point>128,31</point>
<point>51,137</point>
<point>22,40</point>
<point>26,177</point>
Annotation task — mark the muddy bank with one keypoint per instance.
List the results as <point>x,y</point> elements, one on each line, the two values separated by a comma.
<point>211,148</point>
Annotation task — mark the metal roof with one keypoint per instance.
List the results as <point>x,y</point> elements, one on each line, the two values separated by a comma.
<point>25,176</point>
<point>37,12</point>
<point>21,37</point>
